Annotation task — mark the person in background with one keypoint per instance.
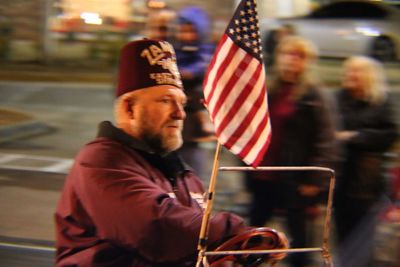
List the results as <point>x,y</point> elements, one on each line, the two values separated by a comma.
<point>160,25</point>
<point>273,38</point>
<point>302,135</point>
<point>367,131</point>
<point>129,199</point>
<point>194,53</point>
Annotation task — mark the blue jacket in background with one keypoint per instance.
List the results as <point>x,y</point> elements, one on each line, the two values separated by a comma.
<point>194,57</point>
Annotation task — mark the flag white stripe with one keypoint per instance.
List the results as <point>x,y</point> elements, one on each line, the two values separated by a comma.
<point>251,127</point>
<point>240,114</point>
<point>240,84</point>
<point>252,155</point>
<point>260,115</point>
<point>232,98</point>
<point>225,48</point>
<point>231,68</point>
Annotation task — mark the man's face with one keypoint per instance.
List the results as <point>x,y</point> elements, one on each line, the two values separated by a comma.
<point>158,115</point>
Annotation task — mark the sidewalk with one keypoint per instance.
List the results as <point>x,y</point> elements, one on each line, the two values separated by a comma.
<point>16,124</point>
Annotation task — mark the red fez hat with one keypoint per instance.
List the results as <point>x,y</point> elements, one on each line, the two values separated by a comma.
<point>147,63</point>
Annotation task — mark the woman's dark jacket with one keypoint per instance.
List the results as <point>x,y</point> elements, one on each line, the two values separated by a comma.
<point>361,173</point>
<point>307,139</point>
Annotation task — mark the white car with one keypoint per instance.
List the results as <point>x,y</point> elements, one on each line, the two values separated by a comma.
<point>344,28</point>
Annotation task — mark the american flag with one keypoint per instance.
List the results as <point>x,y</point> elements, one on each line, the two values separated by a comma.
<point>234,88</point>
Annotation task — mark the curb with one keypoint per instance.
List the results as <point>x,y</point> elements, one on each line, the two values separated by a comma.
<point>16,124</point>
<point>23,130</point>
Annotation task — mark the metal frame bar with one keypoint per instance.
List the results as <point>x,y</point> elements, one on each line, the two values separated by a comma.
<point>324,249</point>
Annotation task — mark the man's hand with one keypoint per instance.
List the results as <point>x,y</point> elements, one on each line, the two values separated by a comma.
<point>262,238</point>
<point>283,244</point>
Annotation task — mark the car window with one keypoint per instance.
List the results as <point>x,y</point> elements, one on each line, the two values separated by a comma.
<point>350,10</point>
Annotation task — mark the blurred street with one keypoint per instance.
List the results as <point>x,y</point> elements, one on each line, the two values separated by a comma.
<point>48,113</point>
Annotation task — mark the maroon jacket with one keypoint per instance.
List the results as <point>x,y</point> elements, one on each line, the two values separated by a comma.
<point>123,206</point>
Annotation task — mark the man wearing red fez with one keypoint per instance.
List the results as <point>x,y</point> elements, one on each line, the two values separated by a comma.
<point>129,200</point>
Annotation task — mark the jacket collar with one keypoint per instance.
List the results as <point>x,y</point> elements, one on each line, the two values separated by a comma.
<point>108,130</point>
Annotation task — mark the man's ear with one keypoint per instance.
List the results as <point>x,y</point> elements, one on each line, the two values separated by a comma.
<point>127,104</point>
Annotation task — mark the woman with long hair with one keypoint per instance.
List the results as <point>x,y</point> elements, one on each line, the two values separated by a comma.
<point>367,131</point>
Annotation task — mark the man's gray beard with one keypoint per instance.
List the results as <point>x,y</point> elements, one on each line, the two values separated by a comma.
<point>160,144</point>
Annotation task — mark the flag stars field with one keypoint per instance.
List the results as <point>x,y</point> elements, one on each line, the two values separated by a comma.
<point>246,28</point>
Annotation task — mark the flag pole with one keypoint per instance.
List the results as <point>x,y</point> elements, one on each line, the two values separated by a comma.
<point>202,245</point>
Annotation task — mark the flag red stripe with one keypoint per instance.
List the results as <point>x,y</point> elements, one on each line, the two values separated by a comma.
<point>230,85</point>
<point>247,120</point>
<point>250,144</point>
<point>221,70</point>
<point>214,59</point>
<point>238,103</point>
<point>262,151</point>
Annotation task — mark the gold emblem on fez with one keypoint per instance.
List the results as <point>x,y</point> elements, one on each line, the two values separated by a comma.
<point>160,56</point>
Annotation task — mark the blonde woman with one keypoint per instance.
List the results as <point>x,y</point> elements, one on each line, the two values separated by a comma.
<point>368,130</point>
